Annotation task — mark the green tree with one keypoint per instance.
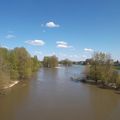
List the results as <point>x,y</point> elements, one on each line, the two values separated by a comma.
<point>101,67</point>
<point>51,61</point>
<point>23,63</point>
<point>13,65</point>
<point>35,63</point>
<point>16,64</point>
<point>4,67</point>
<point>46,61</point>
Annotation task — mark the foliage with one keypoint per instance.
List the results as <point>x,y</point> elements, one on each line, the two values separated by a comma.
<point>101,68</point>
<point>16,64</point>
<point>51,61</point>
<point>35,63</point>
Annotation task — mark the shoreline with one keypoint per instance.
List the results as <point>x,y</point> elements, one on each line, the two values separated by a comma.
<point>103,86</point>
<point>13,83</point>
<point>99,85</point>
<point>4,89</point>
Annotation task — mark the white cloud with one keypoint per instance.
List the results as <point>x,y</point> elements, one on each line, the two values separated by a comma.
<point>36,42</point>
<point>10,36</point>
<point>88,50</point>
<point>62,44</point>
<point>52,25</point>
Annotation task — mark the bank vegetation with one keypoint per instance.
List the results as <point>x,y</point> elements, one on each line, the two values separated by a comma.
<point>102,72</point>
<point>15,65</point>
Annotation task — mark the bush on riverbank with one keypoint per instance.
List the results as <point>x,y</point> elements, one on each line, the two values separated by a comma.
<point>50,61</point>
<point>16,64</point>
<point>101,69</point>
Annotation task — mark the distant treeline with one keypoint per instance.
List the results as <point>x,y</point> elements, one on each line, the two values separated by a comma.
<point>88,61</point>
<point>16,64</point>
<point>52,62</point>
<point>66,62</point>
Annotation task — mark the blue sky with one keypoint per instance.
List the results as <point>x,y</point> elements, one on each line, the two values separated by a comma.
<point>71,29</point>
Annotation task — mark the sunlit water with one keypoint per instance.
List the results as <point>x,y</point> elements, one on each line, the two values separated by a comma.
<point>51,95</point>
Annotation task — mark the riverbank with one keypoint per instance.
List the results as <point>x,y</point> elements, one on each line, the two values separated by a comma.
<point>11,84</point>
<point>99,84</point>
<point>7,86</point>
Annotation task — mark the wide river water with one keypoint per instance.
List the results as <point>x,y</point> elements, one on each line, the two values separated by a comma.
<point>51,95</point>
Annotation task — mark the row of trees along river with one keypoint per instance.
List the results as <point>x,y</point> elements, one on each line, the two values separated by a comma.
<point>16,64</point>
<point>52,61</point>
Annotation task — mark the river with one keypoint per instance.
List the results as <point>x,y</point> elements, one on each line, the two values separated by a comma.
<point>51,95</point>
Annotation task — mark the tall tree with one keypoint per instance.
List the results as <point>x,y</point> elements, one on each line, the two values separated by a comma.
<point>35,63</point>
<point>23,63</point>
<point>13,65</point>
<point>101,68</point>
<point>50,61</point>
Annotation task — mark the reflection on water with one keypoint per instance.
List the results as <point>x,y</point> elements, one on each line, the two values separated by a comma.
<point>51,95</point>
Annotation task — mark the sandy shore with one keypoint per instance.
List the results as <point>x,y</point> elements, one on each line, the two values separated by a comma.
<point>11,84</point>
